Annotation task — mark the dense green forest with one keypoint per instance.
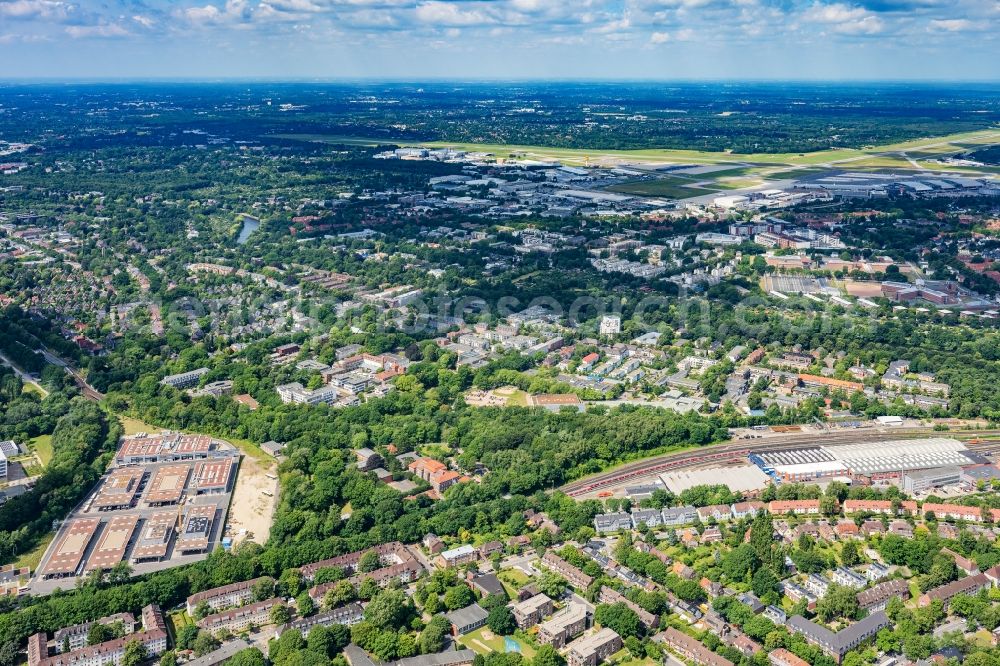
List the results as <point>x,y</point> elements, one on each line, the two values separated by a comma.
<point>83,439</point>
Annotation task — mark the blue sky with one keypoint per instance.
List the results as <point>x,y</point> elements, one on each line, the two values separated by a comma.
<point>519,39</point>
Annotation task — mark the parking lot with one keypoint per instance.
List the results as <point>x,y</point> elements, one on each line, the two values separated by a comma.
<point>155,514</point>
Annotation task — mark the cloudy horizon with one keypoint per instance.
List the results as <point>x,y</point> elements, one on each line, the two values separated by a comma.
<point>501,39</point>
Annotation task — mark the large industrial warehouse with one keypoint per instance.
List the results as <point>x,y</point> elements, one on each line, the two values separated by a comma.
<point>873,462</point>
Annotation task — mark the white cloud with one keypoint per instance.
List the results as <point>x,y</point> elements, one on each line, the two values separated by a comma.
<point>844,19</point>
<point>659,38</point>
<point>951,25</point>
<point>295,5</point>
<point>615,26</point>
<point>440,13</point>
<point>233,10</point>
<point>103,30</point>
<point>35,9</point>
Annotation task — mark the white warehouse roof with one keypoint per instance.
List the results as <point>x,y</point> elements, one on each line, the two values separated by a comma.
<point>739,479</point>
<point>870,458</point>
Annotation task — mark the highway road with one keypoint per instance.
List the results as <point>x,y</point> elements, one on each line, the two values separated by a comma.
<point>739,449</point>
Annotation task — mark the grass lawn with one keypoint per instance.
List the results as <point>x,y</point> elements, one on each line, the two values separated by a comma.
<point>737,183</point>
<point>251,449</point>
<point>518,399</point>
<point>513,580</point>
<point>135,426</point>
<point>42,446</point>
<point>478,642</point>
<point>983,638</point>
<point>433,450</point>
<point>625,658</point>
<point>177,620</point>
<point>671,187</point>
<point>36,389</point>
<point>33,557</point>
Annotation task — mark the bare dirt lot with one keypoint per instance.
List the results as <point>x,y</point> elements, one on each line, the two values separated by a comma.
<point>254,499</point>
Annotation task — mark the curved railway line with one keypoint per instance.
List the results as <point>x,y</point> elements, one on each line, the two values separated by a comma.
<point>735,450</point>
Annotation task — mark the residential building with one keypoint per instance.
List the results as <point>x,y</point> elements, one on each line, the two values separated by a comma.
<point>871,506</point>
<point>456,557</point>
<point>8,449</point>
<point>347,615</point>
<point>576,577</point>
<point>747,509</point>
<point>594,649</point>
<point>226,596</point>
<point>611,325</point>
<point>775,614</point>
<point>782,657</point>
<point>817,585</point>
<point>433,544</point>
<point>75,637</point>
<point>649,517</point>
<point>679,515</point>
<point>153,637</point>
<point>716,512</point>
<point>690,648</point>
<point>745,645</point>
<point>953,512</point>
<point>847,578</point>
<point>964,564</point>
<point>969,585</point>
<point>877,597</point>
<point>875,572</point>
<point>368,459</point>
<point>608,595</point>
<point>837,644</point>
<point>530,612</point>
<point>241,618</point>
<point>798,507</point>
<point>185,380</point>
<point>562,626</point>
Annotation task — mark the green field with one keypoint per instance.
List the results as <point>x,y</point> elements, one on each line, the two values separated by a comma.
<point>513,580</point>
<point>135,426</point>
<point>435,450</point>
<point>175,621</point>
<point>669,187</point>
<point>42,446</point>
<point>477,642</point>
<point>30,387</point>
<point>33,558</point>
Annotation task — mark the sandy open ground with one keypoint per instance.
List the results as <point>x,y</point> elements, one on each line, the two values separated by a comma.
<point>251,509</point>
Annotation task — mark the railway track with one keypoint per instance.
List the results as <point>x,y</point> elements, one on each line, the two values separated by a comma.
<point>735,450</point>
